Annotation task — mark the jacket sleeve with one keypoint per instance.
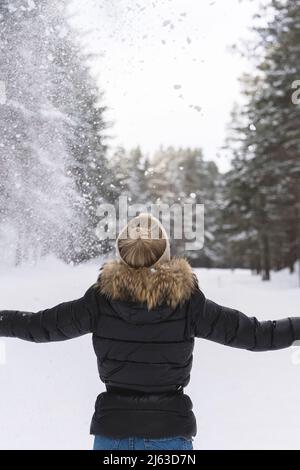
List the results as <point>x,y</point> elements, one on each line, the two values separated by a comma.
<point>232,328</point>
<point>64,321</point>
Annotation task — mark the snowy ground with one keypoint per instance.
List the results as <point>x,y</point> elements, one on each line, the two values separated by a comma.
<point>242,400</point>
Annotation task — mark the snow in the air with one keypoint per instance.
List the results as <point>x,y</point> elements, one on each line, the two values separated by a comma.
<point>242,400</point>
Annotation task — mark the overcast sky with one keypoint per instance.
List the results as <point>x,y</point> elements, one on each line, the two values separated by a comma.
<point>166,68</point>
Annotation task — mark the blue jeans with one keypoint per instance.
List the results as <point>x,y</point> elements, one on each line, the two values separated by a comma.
<point>139,443</point>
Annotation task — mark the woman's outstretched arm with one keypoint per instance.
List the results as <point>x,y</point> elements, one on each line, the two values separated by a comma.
<point>233,328</point>
<point>64,321</point>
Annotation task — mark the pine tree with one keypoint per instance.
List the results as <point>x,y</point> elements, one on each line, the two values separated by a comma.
<point>182,176</point>
<point>52,150</point>
<point>131,172</point>
<point>266,165</point>
<point>32,150</point>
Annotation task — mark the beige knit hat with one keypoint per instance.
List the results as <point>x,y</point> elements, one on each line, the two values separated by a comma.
<point>142,232</point>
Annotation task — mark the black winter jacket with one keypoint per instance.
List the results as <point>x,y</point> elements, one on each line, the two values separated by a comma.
<point>144,323</point>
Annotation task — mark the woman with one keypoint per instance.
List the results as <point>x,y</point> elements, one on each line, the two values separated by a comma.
<point>144,312</point>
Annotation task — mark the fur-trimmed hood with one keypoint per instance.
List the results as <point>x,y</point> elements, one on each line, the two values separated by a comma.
<point>170,283</point>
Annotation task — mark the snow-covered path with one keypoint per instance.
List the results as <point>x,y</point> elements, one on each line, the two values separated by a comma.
<point>241,399</point>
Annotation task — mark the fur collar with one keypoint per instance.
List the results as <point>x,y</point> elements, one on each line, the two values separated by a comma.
<point>170,283</point>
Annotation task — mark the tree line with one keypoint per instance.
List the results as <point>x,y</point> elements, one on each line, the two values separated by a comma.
<point>56,166</point>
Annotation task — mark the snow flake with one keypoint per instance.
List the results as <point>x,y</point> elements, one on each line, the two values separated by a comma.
<point>31,5</point>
